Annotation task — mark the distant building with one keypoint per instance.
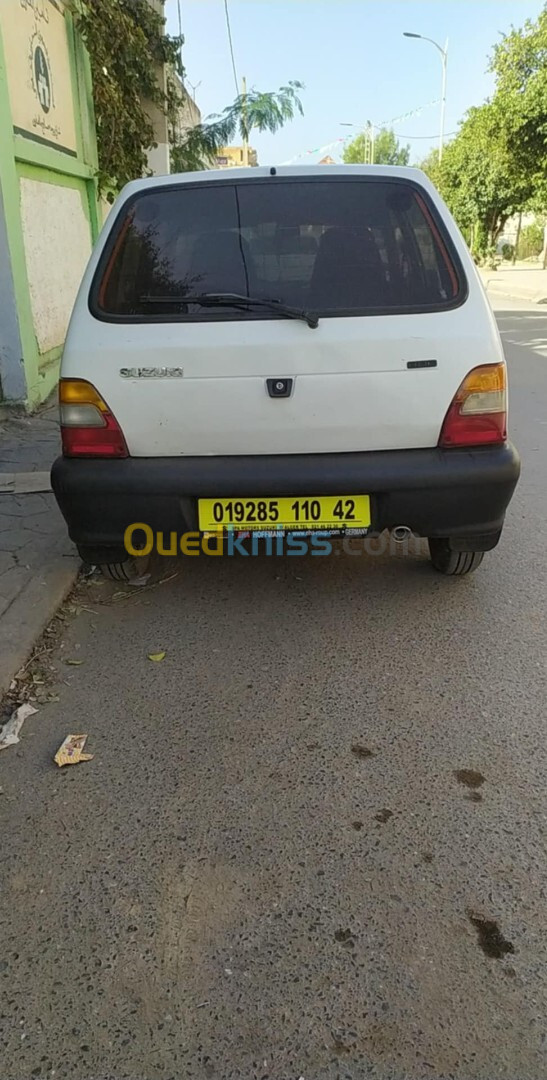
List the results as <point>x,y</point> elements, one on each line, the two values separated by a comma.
<point>187,114</point>
<point>327,161</point>
<point>158,155</point>
<point>168,131</point>
<point>231,157</point>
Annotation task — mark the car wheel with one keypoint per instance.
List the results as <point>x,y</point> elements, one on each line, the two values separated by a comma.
<point>453,563</point>
<point>119,571</point>
<point>115,563</point>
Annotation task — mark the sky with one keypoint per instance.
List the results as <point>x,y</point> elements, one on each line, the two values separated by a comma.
<point>353,59</point>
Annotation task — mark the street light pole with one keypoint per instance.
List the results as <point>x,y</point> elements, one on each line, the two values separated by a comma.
<point>246,130</point>
<point>368,144</point>
<point>368,140</point>
<point>444,57</point>
<point>444,60</point>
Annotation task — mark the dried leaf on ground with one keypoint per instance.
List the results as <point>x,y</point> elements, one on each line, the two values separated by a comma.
<point>74,663</point>
<point>156,656</point>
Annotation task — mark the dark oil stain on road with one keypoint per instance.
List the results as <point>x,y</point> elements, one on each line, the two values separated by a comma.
<point>470,777</point>
<point>343,1043</point>
<point>427,857</point>
<point>491,939</point>
<point>357,825</point>
<point>361,751</point>
<point>383,815</point>
<point>345,938</point>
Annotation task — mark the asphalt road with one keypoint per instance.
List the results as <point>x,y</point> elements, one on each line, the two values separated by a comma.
<point>312,840</point>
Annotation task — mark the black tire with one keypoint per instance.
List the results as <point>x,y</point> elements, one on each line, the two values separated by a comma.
<point>453,563</point>
<point>119,571</point>
<point>115,563</point>
<point>125,569</point>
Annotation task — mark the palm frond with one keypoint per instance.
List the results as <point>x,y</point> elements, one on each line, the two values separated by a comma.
<point>254,110</point>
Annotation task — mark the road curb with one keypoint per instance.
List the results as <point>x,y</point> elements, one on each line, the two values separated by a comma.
<point>30,612</point>
<point>513,292</point>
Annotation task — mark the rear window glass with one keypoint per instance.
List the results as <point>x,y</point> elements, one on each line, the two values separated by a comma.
<point>334,247</point>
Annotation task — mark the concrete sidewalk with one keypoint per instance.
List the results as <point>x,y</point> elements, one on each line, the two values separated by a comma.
<point>521,282</point>
<point>38,563</point>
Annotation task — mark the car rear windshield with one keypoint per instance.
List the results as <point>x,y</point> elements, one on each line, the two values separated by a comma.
<point>335,247</point>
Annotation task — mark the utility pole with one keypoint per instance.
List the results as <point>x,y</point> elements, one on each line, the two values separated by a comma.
<point>245,129</point>
<point>368,134</point>
<point>368,144</point>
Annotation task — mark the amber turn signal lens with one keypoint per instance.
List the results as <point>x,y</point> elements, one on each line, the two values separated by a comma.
<point>80,392</point>
<point>88,427</point>
<point>488,379</point>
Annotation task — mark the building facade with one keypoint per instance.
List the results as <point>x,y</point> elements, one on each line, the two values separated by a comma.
<point>186,114</point>
<point>48,199</point>
<point>168,129</point>
<point>232,157</point>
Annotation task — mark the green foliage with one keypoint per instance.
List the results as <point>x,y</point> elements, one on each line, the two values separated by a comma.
<point>497,164</point>
<point>126,44</point>
<point>530,241</point>
<point>430,165</point>
<point>520,66</point>
<point>490,257</point>
<point>387,150</point>
<point>253,111</point>
<point>479,178</point>
<point>507,252</point>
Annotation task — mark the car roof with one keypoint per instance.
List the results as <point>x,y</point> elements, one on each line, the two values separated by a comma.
<point>301,172</point>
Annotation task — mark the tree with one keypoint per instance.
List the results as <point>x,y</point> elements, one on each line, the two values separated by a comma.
<point>530,241</point>
<point>497,164</point>
<point>387,150</point>
<point>519,63</point>
<point>126,44</point>
<point>250,111</point>
<point>520,66</point>
<point>478,176</point>
<point>431,166</point>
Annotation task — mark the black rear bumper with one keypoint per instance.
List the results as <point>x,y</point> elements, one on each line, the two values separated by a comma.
<point>461,494</point>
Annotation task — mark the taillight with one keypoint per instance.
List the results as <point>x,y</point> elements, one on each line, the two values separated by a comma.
<point>478,413</point>
<point>88,428</point>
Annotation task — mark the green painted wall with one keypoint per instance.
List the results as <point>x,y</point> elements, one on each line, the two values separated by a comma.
<point>26,161</point>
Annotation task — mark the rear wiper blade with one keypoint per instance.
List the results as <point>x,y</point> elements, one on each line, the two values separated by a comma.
<point>238,300</point>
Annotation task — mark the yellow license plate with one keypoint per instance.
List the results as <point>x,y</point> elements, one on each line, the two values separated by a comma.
<point>329,513</point>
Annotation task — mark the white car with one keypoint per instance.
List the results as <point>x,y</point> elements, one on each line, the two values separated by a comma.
<point>285,349</point>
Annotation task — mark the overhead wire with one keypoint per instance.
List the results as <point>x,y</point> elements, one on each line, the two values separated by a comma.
<point>447,135</point>
<point>229,29</point>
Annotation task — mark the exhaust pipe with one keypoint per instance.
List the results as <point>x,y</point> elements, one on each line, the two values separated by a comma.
<point>401,533</point>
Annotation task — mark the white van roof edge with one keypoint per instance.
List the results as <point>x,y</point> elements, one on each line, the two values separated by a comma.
<point>261,171</point>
